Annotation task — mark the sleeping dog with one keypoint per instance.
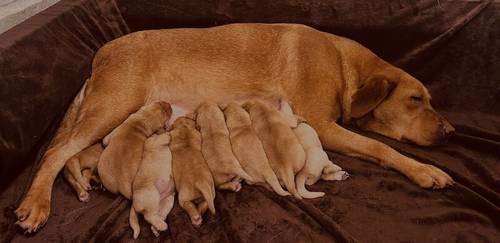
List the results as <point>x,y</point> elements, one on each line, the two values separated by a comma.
<point>326,77</point>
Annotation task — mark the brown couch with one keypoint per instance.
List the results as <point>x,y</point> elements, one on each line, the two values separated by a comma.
<point>453,47</point>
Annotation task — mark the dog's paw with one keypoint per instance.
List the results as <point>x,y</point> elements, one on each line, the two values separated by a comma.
<point>33,212</point>
<point>196,220</point>
<point>429,176</point>
<point>237,187</point>
<point>84,196</point>
<point>156,232</point>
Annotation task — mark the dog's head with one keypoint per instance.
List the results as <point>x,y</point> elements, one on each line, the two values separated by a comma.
<point>395,104</point>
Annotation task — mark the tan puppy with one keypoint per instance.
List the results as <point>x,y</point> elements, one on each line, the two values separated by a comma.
<point>286,155</point>
<point>120,160</point>
<point>317,164</point>
<point>81,169</point>
<point>216,148</point>
<point>329,78</point>
<point>248,148</point>
<point>192,177</point>
<point>153,187</point>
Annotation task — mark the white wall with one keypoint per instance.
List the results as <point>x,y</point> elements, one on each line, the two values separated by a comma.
<point>13,12</point>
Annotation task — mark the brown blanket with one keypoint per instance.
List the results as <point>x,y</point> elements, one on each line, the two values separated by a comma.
<point>453,47</point>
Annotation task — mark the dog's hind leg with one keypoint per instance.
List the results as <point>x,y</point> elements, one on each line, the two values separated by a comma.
<point>192,211</point>
<point>147,201</point>
<point>166,205</point>
<point>288,179</point>
<point>273,182</point>
<point>97,115</point>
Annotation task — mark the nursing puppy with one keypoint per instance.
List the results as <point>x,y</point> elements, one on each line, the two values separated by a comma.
<point>153,187</point>
<point>81,169</point>
<point>216,148</point>
<point>317,164</point>
<point>192,177</point>
<point>248,149</point>
<point>122,156</point>
<point>286,155</point>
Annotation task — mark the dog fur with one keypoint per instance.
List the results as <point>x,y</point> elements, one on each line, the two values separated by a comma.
<point>328,78</point>
<point>81,169</point>
<point>216,148</point>
<point>283,150</point>
<point>317,164</point>
<point>248,149</point>
<point>193,180</point>
<point>153,189</point>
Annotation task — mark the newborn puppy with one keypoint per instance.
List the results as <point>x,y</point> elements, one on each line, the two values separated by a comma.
<point>286,155</point>
<point>122,156</point>
<point>248,149</point>
<point>216,148</point>
<point>153,189</point>
<point>81,169</point>
<point>317,163</point>
<point>193,180</point>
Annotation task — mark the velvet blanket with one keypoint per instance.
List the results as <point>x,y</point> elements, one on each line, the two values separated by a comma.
<point>453,47</point>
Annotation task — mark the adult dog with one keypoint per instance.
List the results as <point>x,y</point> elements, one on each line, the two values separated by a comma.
<point>325,77</point>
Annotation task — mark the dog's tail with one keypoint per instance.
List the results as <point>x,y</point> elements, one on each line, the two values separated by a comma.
<point>134,222</point>
<point>301,187</point>
<point>208,192</point>
<point>288,179</point>
<point>272,180</point>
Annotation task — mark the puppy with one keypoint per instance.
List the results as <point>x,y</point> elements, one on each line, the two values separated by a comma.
<point>286,155</point>
<point>216,148</point>
<point>81,169</point>
<point>248,149</point>
<point>317,164</point>
<point>153,189</point>
<point>122,156</point>
<point>192,177</point>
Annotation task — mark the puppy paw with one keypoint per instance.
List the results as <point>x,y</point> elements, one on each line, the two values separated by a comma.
<point>237,187</point>
<point>84,196</point>
<point>342,175</point>
<point>196,220</point>
<point>429,176</point>
<point>33,212</point>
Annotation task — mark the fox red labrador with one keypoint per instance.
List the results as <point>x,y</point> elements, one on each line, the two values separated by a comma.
<point>325,77</point>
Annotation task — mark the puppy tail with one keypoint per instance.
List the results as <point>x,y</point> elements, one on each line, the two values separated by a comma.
<point>208,193</point>
<point>288,179</point>
<point>134,222</point>
<point>301,187</point>
<point>272,180</point>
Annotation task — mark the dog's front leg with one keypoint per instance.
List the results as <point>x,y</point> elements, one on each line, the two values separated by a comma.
<point>336,138</point>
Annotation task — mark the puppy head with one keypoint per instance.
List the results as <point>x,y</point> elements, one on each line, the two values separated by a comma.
<point>397,105</point>
<point>183,122</point>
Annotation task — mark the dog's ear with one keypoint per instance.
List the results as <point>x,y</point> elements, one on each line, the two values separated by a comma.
<point>370,95</point>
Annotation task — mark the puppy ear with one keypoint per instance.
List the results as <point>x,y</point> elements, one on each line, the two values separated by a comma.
<point>370,95</point>
<point>166,107</point>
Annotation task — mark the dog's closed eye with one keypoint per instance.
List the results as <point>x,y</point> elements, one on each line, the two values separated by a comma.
<point>416,98</point>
